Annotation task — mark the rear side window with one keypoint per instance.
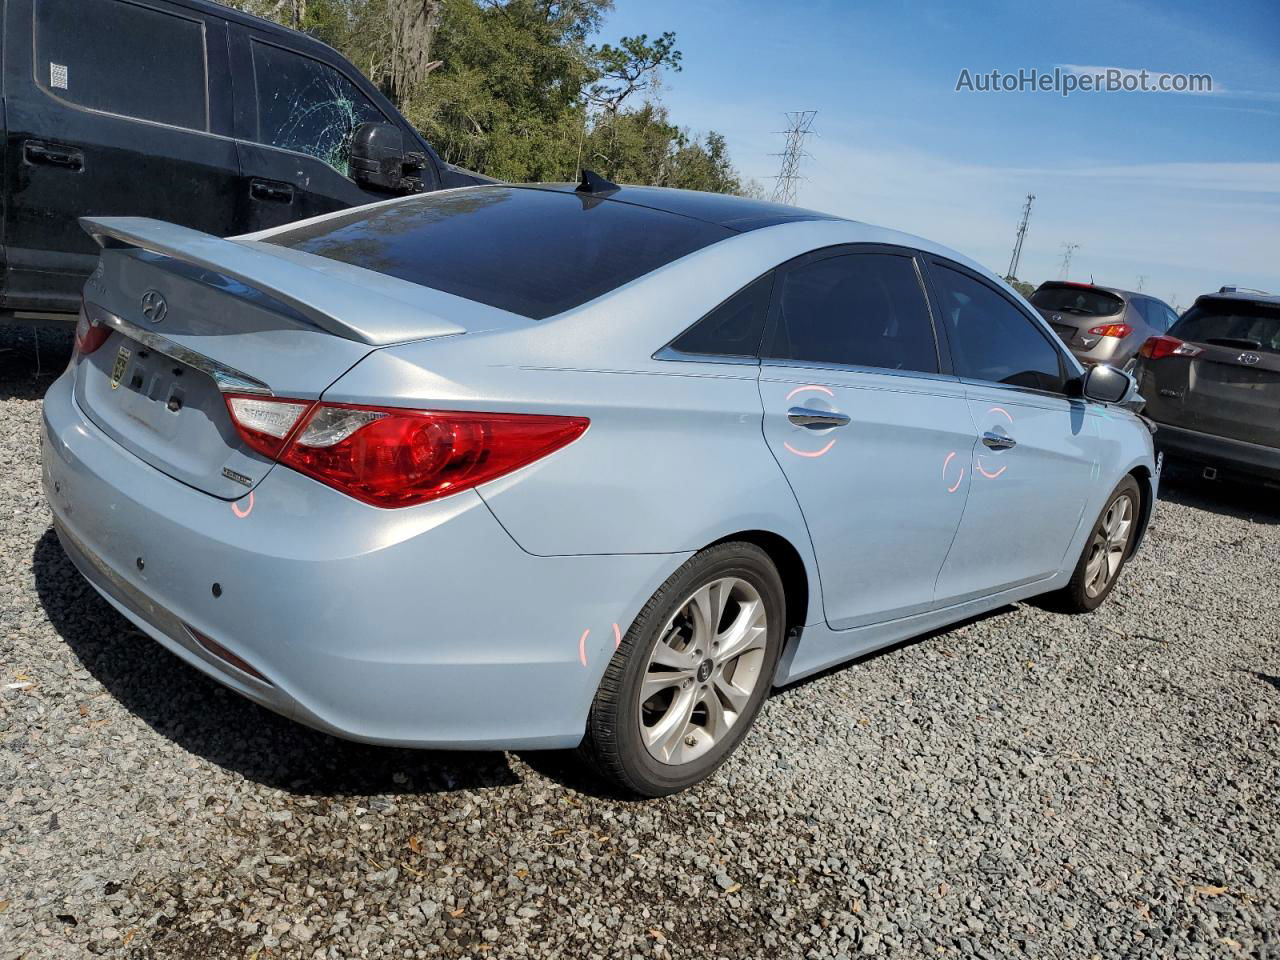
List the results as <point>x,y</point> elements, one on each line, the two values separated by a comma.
<point>308,106</point>
<point>1076,301</point>
<point>1231,323</point>
<point>530,251</point>
<point>862,309</point>
<point>734,328</point>
<point>991,339</point>
<point>122,58</point>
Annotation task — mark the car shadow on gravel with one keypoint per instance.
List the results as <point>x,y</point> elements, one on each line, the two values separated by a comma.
<point>1254,502</point>
<point>206,719</point>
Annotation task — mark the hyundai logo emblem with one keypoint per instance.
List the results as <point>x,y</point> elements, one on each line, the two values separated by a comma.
<point>1250,358</point>
<point>154,306</point>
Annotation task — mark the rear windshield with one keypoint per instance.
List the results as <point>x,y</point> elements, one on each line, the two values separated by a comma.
<point>533,252</point>
<point>1077,301</point>
<point>1249,326</point>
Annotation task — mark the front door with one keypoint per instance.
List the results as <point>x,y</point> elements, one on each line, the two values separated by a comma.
<point>873,439</point>
<point>296,115</point>
<point>136,126</point>
<point>1036,456</point>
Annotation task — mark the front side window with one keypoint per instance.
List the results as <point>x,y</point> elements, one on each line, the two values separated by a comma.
<point>991,339</point>
<point>308,106</point>
<point>734,328</point>
<point>863,309</point>
<point>123,58</point>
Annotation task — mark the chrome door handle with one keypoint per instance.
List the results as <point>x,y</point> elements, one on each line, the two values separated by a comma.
<point>996,441</point>
<point>816,419</point>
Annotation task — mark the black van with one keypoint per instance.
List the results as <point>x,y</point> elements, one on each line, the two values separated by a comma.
<point>187,111</point>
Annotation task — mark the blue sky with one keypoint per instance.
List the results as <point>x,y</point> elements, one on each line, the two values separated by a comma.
<point>1182,188</point>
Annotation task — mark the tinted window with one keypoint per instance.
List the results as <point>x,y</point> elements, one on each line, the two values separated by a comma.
<point>1232,323</point>
<point>533,252</point>
<point>1076,300</point>
<point>308,106</point>
<point>864,309</point>
<point>121,58</point>
<point>732,329</point>
<point>991,339</point>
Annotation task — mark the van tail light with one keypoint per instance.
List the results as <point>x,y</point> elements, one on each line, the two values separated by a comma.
<point>90,334</point>
<point>394,457</point>
<point>1117,330</point>
<point>1157,348</point>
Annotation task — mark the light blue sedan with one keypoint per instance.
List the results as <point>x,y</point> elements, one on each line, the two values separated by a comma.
<point>551,467</point>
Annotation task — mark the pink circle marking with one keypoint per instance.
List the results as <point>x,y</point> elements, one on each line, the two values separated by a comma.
<point>235,508</point>
<point>617,636</point>
<point>811,386</point>
<point>810,453</point>
<point>987,473</point>
<point>959,480</point>
<point>1001,410</point>
<point>582,646</point>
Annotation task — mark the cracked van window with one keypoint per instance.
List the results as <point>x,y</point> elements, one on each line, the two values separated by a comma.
<point>308,106</point>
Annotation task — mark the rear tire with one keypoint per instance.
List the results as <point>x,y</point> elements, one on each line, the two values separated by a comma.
<point>1105,553</point>
<point>689,677</point>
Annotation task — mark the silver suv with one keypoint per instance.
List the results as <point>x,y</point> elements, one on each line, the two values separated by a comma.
<point>1102,324</point>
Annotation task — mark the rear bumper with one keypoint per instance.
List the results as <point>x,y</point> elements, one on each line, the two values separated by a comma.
<point>427,626</point>
<point>1250,458</point>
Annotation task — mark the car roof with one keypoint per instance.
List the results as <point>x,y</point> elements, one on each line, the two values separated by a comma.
<point>739,214</point>
<point>1269,299</point>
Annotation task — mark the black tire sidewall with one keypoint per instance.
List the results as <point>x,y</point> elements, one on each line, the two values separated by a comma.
<point>644,773</point>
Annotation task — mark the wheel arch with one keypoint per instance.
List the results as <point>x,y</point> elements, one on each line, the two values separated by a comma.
<point>1146,508</point>
<point>795,580</point>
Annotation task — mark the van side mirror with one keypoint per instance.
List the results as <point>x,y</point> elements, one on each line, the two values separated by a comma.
<point>379,159</point>
<point>1105,384</point>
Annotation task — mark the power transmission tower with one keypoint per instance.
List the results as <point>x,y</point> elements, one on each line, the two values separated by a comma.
<point>1017,245</point>
<point>799,126</point>
<point>1142,281</point>
<point>1068,249</point>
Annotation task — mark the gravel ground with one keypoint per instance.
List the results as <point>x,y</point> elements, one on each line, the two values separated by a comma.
<point>1025,784</point>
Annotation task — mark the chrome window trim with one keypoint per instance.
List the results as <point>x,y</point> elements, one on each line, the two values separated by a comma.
<point>671,353</point>
<point>857,368</point>
<point>228,379</point>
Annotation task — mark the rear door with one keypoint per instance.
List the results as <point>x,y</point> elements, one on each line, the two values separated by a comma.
<point>297,108</point>
<point>1227,381</point>
<point>1033,466</point>
<point>872,435</point>
<point>110,110</point>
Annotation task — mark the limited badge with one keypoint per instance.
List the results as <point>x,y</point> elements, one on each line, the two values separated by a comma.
<point>117,369</point>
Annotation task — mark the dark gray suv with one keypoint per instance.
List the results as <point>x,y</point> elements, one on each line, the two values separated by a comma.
<point>1101,324</point>
<point>1213,385</point>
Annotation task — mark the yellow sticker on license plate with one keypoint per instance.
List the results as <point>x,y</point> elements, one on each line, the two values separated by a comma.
<point>117,369</point>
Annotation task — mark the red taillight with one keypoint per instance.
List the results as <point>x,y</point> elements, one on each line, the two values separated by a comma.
<point>90,335</point>
<point>1157,348</point>
<point>393,457</point>
<point>1117,330</point>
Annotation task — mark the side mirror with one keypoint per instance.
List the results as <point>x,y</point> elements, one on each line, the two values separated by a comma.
<point>379,159</point>
<point>1105,384</point>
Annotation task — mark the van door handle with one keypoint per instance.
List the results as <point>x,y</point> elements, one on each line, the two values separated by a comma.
<point>996,441</point>
<point>52,155</point>
<point>271,190</point>
<point>816,419</point>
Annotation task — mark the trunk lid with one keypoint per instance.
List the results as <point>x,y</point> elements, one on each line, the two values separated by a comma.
<point>194,317</point>
<point>1231,388</point>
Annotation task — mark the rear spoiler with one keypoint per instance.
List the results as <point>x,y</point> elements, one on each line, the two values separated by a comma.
<point>343,300</point>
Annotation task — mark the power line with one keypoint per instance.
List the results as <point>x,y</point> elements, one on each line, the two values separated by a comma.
<point>799,124</point>
<point>1068,249</point>
<point>1142,281</point>
<point>1017,245</point>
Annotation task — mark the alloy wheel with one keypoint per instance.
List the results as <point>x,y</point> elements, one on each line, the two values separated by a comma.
<point>703,670</point>
<point>1109,546</point>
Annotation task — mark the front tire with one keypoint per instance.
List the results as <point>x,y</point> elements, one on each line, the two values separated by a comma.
<point>689,677</point>
<point>1105,551</point>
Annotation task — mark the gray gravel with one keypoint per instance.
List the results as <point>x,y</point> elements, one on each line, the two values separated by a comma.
<point>1026,784</point>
